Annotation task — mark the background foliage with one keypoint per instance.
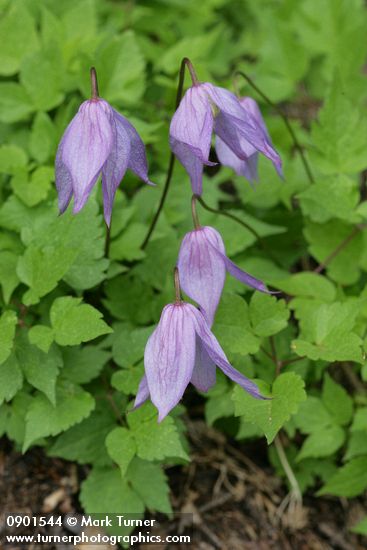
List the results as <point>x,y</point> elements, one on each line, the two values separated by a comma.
<point>74,324</point>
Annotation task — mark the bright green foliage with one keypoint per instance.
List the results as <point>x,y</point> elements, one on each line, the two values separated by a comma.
<point>8,321</point>
<point>270,414</point>
<point>74,324</point>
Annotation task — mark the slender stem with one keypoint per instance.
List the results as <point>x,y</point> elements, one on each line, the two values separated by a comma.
<point>94,83</point>
<point>287,469</point>
<point>195,217</point>
<point>339,248</point>
<point>297,144</point>
<point>228,215</point>
<point>264,350</point>
<point>107,241</point>
<point>171,161</point>
<point>189,65</point>
<point>176,276</point>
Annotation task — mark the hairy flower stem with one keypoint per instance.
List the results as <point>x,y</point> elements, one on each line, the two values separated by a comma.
<point>94,83</point>
<point>176,277</point>
<point>297,144</point>
<point>195,217</point>
<point>184,63</point>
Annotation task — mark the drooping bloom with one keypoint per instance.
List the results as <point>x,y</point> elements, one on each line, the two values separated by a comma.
<point>97,141</point>
<point>202,263</point>
<point>182,349</point>
<point>247,166</point>
<point>206,108</point>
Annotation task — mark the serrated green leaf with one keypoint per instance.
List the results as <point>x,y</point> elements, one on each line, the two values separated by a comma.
<point>312,415</point>
<point>8,277</point>
<point>18,31</point>
<point>40,369</point>
<point>83,364</point>
<point>232,326</point>
<point>43,137</point>
<point>308,284</point>
<point>41,336</point>
<point>267,314</point>
<point>11,378</point>
<point>349,481</point>
<point>12,158</point>
<point>150,483</point>
<point>337,401</point>
<point>323,441</point>
<point>128,380</point>
<point>271,414</point>
<point>15,104</point>
<point>128,345</point>
<point>74,322</point>
<point>106,492</point>
<point>155,441</point>
<point>85,442</point>
<point>43,419</point>
<point>8,322</point>
<point>121,447</point>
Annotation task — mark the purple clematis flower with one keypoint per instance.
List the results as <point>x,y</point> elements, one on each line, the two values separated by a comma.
<point>182,349</point>
<point>246,167</point>
<point>205,108</point>
<point>97,141</point>
<point>202,263</point>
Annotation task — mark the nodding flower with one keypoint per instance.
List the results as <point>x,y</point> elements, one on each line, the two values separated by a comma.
<point>238,125</point>
<point>97,141</point>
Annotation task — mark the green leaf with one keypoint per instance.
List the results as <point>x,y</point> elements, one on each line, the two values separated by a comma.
<point>33,191</point>
<point>308,284</point>
<point>121,447</point>
<point>323,441</point>
<point>325,238</point>
<point>349,481</point>
<point>41,77</point>
<point>41,270</point>
<point>335,197</point>
<point>128,245</point>
<point>18,32</point>
<point>15,104</point>
<point>81,365</point>
<point>40,369</point>
<point>106,492</point>
<point>11,378</point>
<point>43,419</point>
<point>128,345</point>
<point>267,314</point>
<point>361,527</point>
<point>85,442</point>
<point>339,134</point>
<point>357,444</point>
<point>41,336</point>
<point>120,60</point>
<point>270,415</point>
<point>312,415</point>
<point>327,333</point>
<point>232,326</point>
<point>8,322</point>
<point>43,137</point>
<point>74,322</point>
<point>337,401</point>
<point>150,483</point>
<point>128,380</point>
<point>12,158</point>
<point>8,277</point>
<point>155,441</point>
<point>360,420</point>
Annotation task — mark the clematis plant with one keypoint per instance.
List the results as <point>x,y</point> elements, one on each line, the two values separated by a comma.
<point>182,349</point>
<point>246,165</point>
<point>206,108</point>
<point>203,264</point>
<point>97,141</point>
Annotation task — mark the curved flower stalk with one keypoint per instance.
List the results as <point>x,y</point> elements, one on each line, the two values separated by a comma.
<point>246,167</point>
<point>182,349</point>
<point>206,108</point>
<point>97,141</point>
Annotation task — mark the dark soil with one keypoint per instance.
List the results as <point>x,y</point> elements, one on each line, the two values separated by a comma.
<point>228,489</point>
